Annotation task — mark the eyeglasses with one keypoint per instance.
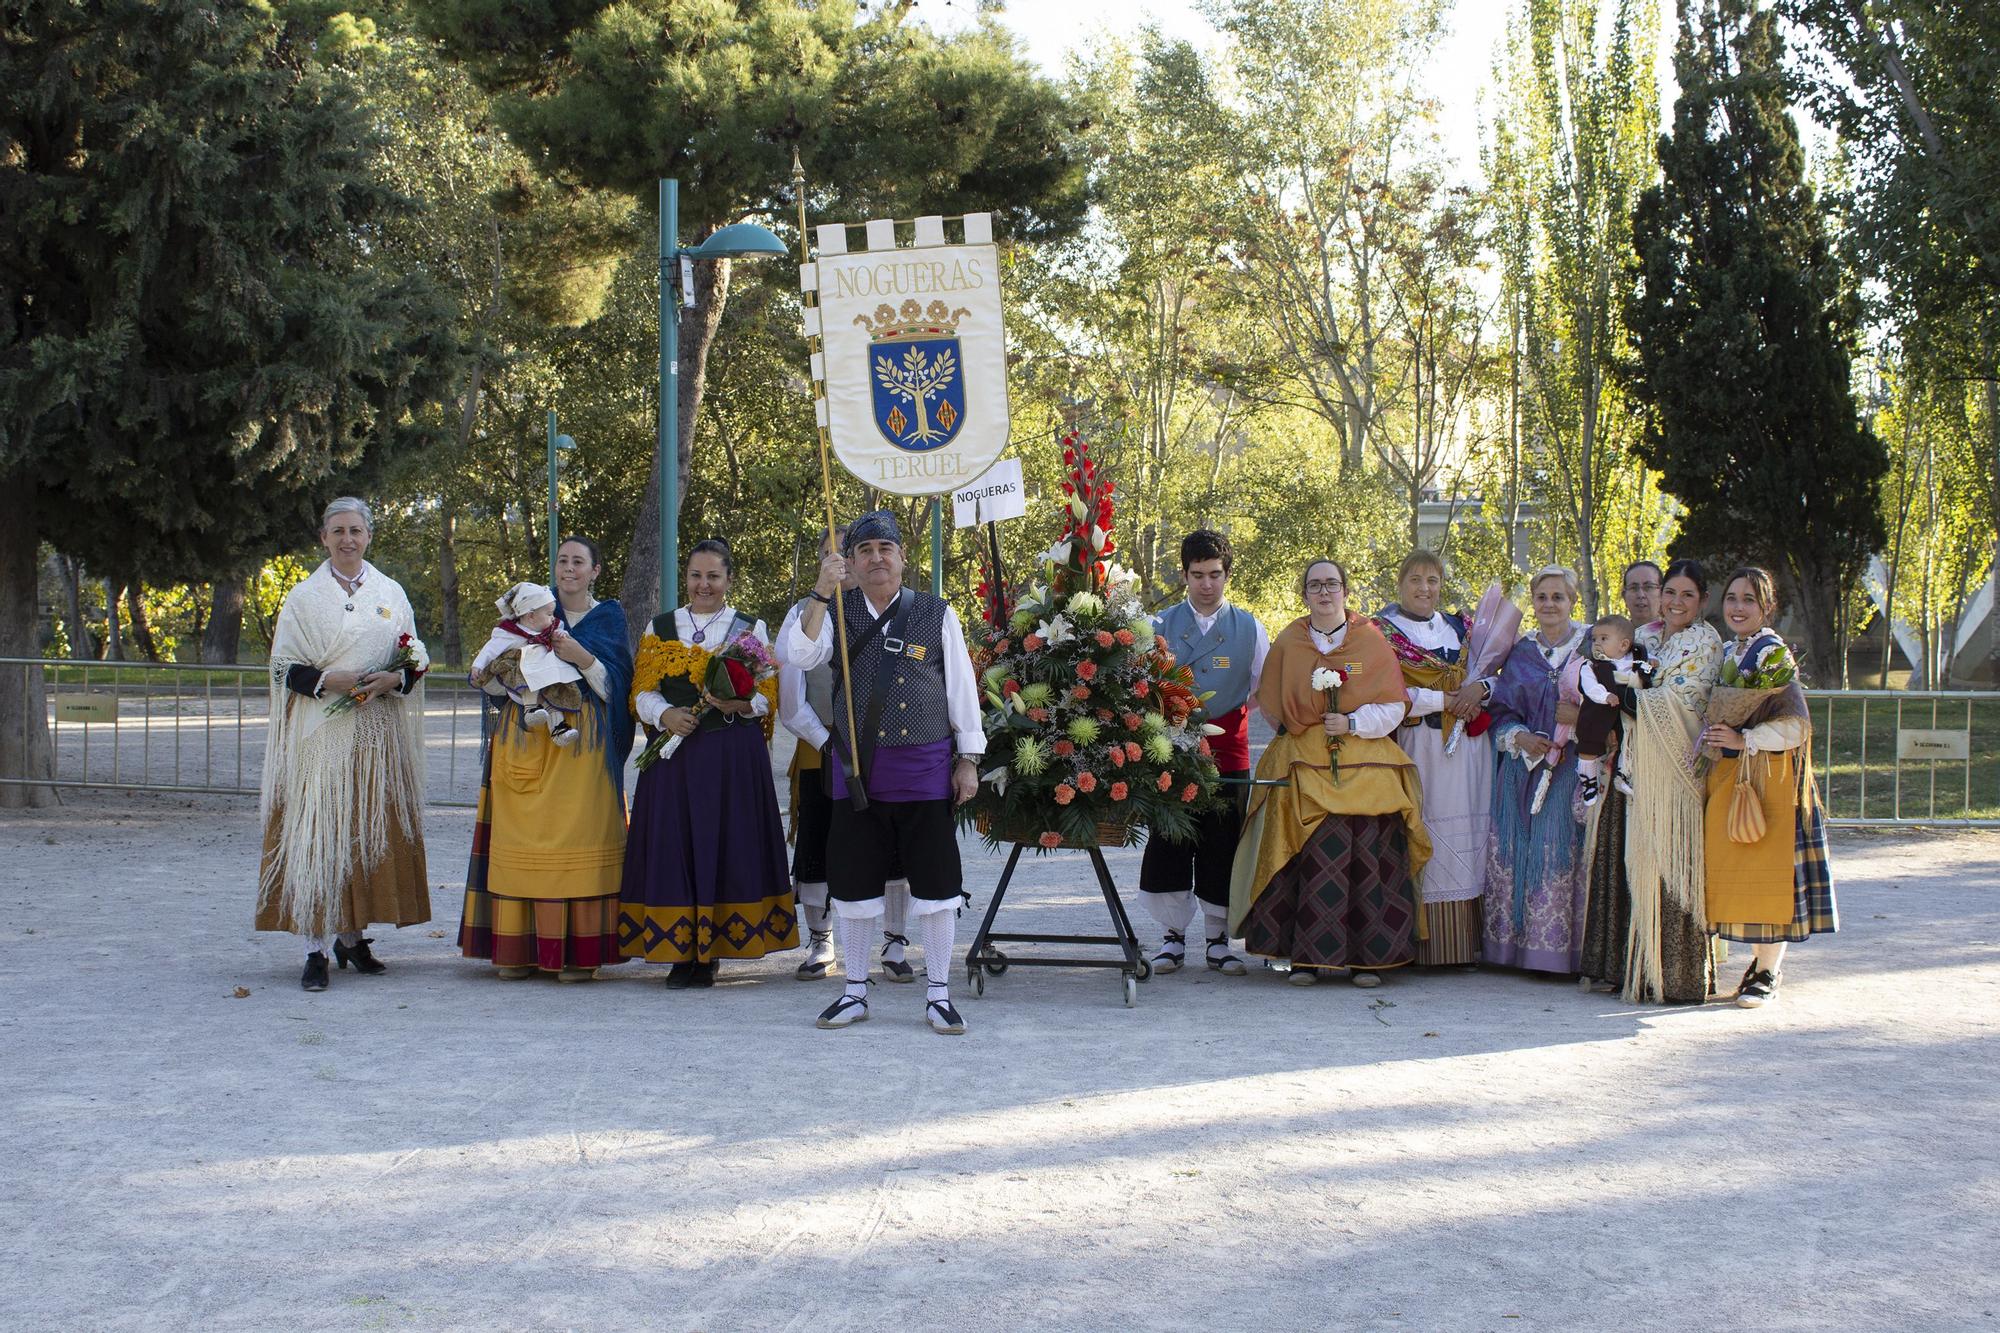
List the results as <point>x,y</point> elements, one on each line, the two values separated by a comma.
<point>1642,587</point>
<point>1324,585</point>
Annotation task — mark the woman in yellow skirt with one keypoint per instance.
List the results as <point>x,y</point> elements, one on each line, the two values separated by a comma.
<point>1774,888</point>
<point>548,844</point>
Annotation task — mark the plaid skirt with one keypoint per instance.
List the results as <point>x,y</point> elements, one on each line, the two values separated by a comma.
<point>1814,911</point>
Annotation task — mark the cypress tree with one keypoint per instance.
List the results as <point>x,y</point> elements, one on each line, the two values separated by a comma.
<point>1744,332</point>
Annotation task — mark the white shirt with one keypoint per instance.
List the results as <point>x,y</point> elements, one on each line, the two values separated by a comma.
<point>1205,623</point>
<point>961,692</point>
<point>652,704</point>
<point>1371,722</point>
<point>793,710</point>
<point>1431,635</point>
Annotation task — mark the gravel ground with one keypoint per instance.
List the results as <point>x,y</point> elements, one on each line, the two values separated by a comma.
<point>435,1148</point>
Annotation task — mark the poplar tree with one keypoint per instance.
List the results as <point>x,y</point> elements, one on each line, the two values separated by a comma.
<point>1744,332</point>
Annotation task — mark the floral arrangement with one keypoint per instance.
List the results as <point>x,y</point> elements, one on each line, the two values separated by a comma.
<point>407,656</point>
<point>1773,668</point>
<point>742,667</point>
<point>1329,680</point>
<point>1089,721</point>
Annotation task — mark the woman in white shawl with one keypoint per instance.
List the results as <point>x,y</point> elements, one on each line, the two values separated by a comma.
<point>343,789</point>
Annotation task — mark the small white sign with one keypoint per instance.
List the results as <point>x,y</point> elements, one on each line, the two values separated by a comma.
<point>997,495</point>
<point>1915,743</point>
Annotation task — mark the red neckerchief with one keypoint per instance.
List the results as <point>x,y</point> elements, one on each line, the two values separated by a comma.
<point>546,638</point>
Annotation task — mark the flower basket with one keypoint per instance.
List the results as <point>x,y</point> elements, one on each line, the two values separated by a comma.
<point>1025,832</point>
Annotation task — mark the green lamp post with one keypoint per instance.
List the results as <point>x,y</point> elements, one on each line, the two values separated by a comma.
<point>738,240</point>
<point>558,445</point>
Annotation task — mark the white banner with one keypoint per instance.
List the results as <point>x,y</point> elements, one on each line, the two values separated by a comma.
<point>913,356</point>
<point>994,498</point>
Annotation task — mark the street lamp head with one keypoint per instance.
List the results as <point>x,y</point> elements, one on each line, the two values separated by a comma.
<point>740,240</point>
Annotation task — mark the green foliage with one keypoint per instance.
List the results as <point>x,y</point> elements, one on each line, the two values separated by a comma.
<point>1769,460</point>
<point>196,344</point>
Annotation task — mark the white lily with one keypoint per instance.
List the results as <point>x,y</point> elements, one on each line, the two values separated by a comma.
<point>998,777</point>
<point>1057,554</point>
<point>1210,729</point>
<point>1055,630</point>
<point>1076,507</point>
<point>1098,536</point>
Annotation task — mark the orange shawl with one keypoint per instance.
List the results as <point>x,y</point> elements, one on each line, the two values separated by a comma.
<point>1374,676</point>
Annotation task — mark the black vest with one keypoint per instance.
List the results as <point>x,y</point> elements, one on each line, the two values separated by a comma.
<point>905,673</point>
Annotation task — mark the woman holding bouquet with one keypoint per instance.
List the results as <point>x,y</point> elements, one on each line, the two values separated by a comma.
<point>343,790</point>
<point>1645,928</point>
<point>1534,896</point>
<point>1325,876</point>
<point>705,870</point>
<point>548,844</point>
<point>1769,883</point>
<point>1457,770</point>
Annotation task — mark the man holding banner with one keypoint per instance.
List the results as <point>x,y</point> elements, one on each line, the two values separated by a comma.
<point>916,707</point>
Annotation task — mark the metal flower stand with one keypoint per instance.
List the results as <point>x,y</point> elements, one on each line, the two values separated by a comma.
<point>982,960</point>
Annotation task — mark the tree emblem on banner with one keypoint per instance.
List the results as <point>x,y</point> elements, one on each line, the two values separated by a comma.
<point>914,364</point>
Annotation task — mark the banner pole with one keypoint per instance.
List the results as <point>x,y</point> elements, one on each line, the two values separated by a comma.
<point>857,792</point>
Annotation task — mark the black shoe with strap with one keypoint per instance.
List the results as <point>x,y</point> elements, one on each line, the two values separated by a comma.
<point>844,1012</point>
<point>315,973</point>
<point>1173,953</point>
<point>1759,988</point>
<point>896,969</point>
<point>359,954</point>
<point>944,1018</point>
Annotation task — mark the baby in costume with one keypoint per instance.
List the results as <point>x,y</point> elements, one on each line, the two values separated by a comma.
<point>1610,682</point>
<point>519,662</point>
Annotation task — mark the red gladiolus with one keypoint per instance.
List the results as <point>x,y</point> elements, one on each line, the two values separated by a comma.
<point>1068,489</point>
<point>1064,793</point>
<point>1086,671</point>
<point>1189,792</point>
<point>1069,458</point>
<point>1166,780</point>
<point>1065,748</point>
<point>1086,782</point>
<point>1118,791</point>
<point>1050,840</point>
<point>1132,751</point>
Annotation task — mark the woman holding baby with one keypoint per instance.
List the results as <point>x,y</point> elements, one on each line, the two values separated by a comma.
<point>548,846</point>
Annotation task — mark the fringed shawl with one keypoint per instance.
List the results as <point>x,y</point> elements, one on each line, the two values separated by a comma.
<point>602,632</point>
<point>334,787</point>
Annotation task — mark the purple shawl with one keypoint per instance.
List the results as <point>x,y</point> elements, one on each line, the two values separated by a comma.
<point>1525,694</point>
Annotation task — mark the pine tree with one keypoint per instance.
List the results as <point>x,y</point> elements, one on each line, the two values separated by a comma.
<point>196,344</point>
<point>1744,332</point>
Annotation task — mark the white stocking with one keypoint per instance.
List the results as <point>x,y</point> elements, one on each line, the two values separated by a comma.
<point>319,944</point>
<point>1769,956</point>
<point>938,930</point>
<point>857,936</point>
<point>1216,921</point>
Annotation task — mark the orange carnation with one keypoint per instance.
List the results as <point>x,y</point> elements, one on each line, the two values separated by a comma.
<point>1132,751</point>
<point>1166,780</point>
<point>1065,747</point>
<point>1117,757</point>
<point>1086,671</point>
<point>1104,639</point>
<point>1118,791</point>
<point>1033,643</point>
<point>1132,721</point>
<point>1050,840</point>
<point>1038,714</point>
<point>1124,637</point>
<point>1189,792</point>
<point>1081,692</point>
<point>1065,793</point>
<point>1086,782</point>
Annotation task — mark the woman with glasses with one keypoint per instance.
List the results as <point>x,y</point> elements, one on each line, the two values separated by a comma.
<point>1325,877</point>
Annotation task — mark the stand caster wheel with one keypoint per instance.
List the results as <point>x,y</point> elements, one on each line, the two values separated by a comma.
<point>996,963</point>
<point>1145,968</point>
<point>978,982</point>
<point>1131,991</point>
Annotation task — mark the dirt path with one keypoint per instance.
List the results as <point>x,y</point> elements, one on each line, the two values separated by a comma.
<point>438,1149</point>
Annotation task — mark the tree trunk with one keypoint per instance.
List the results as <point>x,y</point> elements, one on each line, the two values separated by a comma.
<point>114,636</point>
<point>82,643</point>
<point>142,632</point>
<point>223,639</point>
<point>1513,436</point>
<point>451,647</point>
<point>24,728</point>
<point>640,591</point>
<point>1816,598</point>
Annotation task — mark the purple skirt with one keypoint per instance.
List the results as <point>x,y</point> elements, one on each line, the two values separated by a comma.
<point>705,867</point>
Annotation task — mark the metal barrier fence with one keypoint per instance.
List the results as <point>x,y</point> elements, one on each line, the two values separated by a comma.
<point>187,727</point>
<point>1884,757</point>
